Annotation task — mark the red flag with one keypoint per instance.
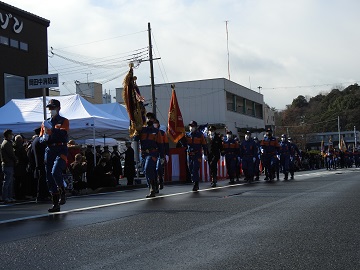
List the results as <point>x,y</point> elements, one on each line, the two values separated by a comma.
<point>176,129</point>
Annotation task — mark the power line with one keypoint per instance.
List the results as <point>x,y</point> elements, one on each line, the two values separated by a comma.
<point>309,124</point>
<point>97,41</point>
<point>307,86</point>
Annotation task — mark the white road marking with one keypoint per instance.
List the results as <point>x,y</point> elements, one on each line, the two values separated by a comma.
<point>158,196</point>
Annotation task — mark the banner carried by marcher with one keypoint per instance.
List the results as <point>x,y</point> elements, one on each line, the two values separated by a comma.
<point>176,129</point>
<point>134,103</point>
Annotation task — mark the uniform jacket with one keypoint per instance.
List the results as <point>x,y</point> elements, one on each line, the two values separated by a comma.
<point>195,142</point>
<point>248,149</point>
<point>151,142</point>
<point>230,147</point>
<point>285,148</point>
<point>166,141</point>
<point>58,134</point>
<point>270,146</point>
<point>214,146</point>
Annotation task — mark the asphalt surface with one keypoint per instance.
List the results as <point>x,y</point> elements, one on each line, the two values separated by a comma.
<point>307,223</point>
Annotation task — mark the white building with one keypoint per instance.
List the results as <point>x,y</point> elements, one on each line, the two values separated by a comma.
<point>269,117</point>
<point>219,102</point>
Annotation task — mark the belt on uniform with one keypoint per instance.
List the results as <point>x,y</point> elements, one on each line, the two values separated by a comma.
<point>56,144</point>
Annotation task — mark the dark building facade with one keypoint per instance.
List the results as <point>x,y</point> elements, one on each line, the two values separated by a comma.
<point>23,50</point>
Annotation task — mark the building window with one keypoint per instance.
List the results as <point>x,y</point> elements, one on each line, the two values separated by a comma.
<point>4,40</point>
<point>14,87</point>
<point>242,105</point>
<point>14,43</point>
<point>230,101</point>
<point>24,46</point>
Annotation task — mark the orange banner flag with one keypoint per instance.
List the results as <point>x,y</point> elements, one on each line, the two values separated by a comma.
<point>176,129</point>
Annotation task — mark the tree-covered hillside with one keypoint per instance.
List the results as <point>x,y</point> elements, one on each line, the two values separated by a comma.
<point>320,113</point>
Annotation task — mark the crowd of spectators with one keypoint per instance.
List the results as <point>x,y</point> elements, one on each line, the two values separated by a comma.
<point>85,170</point>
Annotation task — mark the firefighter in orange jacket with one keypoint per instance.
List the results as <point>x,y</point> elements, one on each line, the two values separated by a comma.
<point>160,167</point>
<point>54,133</point>
<point>231,151</point>
<point>270,154</point>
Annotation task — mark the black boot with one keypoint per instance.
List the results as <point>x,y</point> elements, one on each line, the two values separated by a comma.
<point>196,186</point>
<point>152,189</point>
<point>161,181</point>
<point>286,176</point>
<point>156,188</point>
<point>151,194</point>
<point>55,201</point>
<point>62,196</point>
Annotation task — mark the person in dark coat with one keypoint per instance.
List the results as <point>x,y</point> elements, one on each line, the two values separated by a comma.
<point>103,174</point>
<point>129,168</point>
<point>77,169</point>
<point>20,172</point>
<point>214,145</point>
<point>89,156</point>
<point>38,153</point>
<point>116,162</point>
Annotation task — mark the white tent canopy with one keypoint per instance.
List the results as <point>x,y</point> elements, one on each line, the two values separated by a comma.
<point>86,120</point>
<point>115,109</point>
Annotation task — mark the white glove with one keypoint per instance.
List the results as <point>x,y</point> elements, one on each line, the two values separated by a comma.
<point>45,137</point>
<point>278,157</point>
<point>262,151</point>
<point>162,161</point>
<point>205,158</point>
<point>47,124</point>
<point>254,159</point>
<point>167,158</point>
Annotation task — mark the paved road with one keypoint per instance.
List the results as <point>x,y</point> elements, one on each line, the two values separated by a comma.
<point>311,222</point>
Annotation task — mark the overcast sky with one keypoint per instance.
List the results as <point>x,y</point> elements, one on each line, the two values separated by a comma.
<point>288,47</point>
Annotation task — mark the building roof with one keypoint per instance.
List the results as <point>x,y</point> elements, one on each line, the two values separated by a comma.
<point>25,14</point>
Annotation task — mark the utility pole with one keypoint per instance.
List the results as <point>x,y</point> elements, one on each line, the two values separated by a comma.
<point>339,132</point>
<point>153,100</point>
<point>355,138</point>
<point>227,46</point>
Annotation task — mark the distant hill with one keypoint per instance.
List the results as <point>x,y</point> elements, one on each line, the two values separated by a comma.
<point>319,113</point>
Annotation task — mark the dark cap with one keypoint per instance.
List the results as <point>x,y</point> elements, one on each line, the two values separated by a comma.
<point>248,132</point>
<point>290,139</point>
<point>283,135</point>
<point>193,123</point>
<point>53,103</point>
<point>150,115</point>
<point>156,121</point>
<point>255,138</point>
<point>127,143</point>
<point>115,146</point>
<point>269,130</point>
<point>37,130</point>
<point>229,132</point>
<point>212,128</point>
<point>7,132</point>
